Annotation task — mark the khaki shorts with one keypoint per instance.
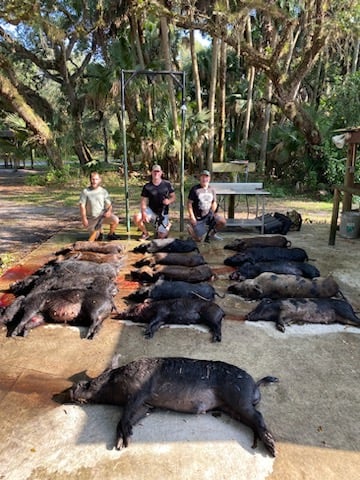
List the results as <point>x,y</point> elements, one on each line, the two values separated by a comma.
<point>105,221</point>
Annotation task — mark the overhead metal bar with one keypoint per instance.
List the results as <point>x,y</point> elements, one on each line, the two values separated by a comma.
<point>179,78</point>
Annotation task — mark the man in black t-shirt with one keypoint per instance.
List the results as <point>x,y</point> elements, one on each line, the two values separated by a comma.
<point>202,206</point>
<point>156,196</point>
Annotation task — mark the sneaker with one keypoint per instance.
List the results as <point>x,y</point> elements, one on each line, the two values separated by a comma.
<point>216,236</point>
<point>145,236</point>
<point>113,236</point>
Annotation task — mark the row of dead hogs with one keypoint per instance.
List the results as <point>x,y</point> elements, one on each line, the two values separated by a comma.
<point>78,287</point>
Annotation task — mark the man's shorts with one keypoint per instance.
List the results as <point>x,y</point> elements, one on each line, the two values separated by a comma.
<point>105,221</point>
<point>202,226</point>
<point>162,227</point>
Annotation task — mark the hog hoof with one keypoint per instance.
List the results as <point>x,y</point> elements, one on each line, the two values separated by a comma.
<point>269,442</point>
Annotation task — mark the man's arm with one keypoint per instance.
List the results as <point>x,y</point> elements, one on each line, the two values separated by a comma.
<point>143,207</point>
<point>191,212</point>
<point>83,215</point>
<point>170,200</point>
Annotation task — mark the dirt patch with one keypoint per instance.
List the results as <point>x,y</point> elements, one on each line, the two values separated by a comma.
<point>25,227</point>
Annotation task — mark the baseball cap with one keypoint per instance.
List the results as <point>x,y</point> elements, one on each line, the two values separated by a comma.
<point>205,172</point>
<point>156,168</point>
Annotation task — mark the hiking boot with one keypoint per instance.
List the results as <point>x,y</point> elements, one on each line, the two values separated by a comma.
<point>113,236</point>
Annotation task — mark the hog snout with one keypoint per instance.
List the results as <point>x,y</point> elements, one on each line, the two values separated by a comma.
<point>78,392</point>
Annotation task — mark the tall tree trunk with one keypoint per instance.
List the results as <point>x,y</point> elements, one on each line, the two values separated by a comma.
<point>35,123</point>
<point>165,43</point>
<point>355,59</point>
<point>251,79</point>
<point>195,71</point>
<point>266,128</point>
<point>81,149</point>
<point>212,97</point>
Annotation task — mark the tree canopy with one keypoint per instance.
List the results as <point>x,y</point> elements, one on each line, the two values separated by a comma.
<point>270,81</point>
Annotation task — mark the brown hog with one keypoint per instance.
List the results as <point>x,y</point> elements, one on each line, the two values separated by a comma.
<point>304,310</point>
<point>89,256</point>
<point>271,285</point>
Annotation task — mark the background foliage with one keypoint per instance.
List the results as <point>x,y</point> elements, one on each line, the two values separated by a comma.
<point>270,82</point>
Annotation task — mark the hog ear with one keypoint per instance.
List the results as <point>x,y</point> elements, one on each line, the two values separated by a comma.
<point>77,377</point>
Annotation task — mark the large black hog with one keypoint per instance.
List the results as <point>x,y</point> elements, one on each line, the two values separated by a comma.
<point>175,245</point>
<point>178,311</point>
<point>240,244</point>
<point>304,310</point>
<point>252,270</point>
<point>179,384</point>
<point>271,285</point>
<point>76,306</point>
<point>165,289</point>
<point>201,273</point>
<point>165,258</point>
<point>266,254</point>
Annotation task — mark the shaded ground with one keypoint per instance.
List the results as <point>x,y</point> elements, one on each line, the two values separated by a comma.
<point>25,227</point>
<point>313,411</point>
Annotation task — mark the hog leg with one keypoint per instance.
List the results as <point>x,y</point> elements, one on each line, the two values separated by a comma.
<point>31,319</point>
<point>241,407</point>
<point>96,322</point>
<point>154,326</point>
<point>98,313</point>
<point>34,321</point>
<point>10,311</point>
<point>213,321</point>
<point>254,419</point>
<point>133,412</point>
<point>280,323</point>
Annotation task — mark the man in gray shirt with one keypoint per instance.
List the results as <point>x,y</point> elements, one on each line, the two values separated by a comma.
<point>94,199</point>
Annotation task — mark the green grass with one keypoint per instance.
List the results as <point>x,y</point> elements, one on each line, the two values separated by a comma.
<point>65,191</point>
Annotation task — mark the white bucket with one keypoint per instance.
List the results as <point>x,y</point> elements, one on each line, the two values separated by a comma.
<point>350,224</point>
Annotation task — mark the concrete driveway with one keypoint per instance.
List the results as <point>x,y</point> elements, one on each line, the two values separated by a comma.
<point>313,411</point>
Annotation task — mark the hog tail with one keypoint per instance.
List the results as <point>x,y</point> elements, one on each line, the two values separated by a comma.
<point>197,295</point>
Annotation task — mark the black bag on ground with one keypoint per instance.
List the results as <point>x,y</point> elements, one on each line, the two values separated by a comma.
<point>277,223</point>
<point>285,220</point>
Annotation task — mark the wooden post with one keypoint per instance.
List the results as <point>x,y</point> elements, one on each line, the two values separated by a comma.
<point>349,176</point>
<point>334,218</point>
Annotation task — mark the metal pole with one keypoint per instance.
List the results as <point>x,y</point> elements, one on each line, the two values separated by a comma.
<point>182,155</point>
<point>127,213</point>
<point>134,73</point>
